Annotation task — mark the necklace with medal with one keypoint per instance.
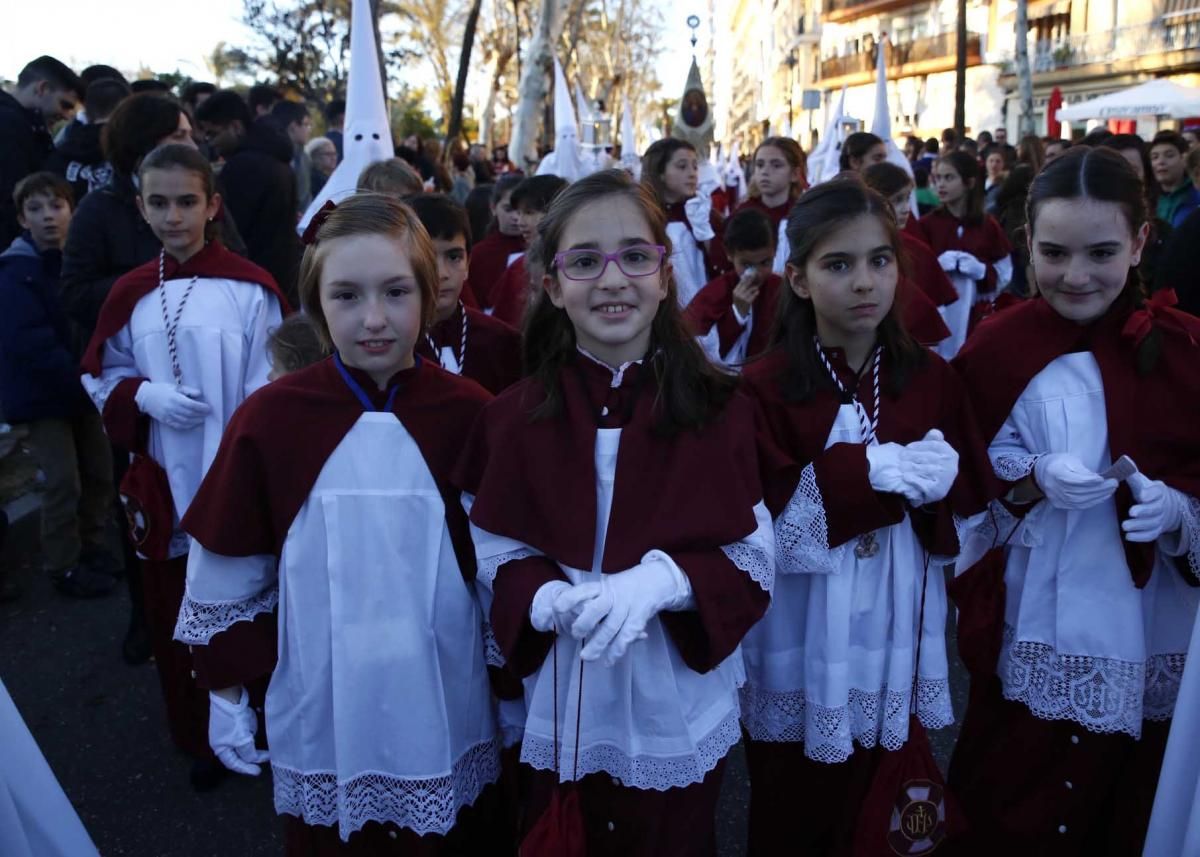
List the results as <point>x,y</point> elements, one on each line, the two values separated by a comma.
<point>867,544</point>
<point>462,343</point>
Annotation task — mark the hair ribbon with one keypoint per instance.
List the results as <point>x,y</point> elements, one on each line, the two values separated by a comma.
<point>1141,321</point>
<point>318,220</point>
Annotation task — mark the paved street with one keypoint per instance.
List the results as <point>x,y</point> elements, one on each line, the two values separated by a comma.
<point>99,723</point>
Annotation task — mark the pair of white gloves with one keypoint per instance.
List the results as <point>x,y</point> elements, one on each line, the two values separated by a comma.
<point>178,407</point>
<point>962,263</point>
<point>1068,484</point>
<point>231,728</point>
<point>698,210</point>
<point>922,471</point>
<point>611,613</point>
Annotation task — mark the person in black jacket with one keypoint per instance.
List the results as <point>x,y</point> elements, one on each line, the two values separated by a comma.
<point>259,188</point>
<point>79,156</point>
<point>46,91</point>
<point>39,387</point>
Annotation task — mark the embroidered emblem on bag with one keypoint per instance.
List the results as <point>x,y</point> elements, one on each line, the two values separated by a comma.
<point>135,515</point>
<point>918,819</point>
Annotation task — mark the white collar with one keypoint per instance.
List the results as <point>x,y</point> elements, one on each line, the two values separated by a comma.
<point>618,372</point>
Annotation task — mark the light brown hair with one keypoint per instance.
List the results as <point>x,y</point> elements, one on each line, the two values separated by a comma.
<point>369,214</point>
<point>392,176</point>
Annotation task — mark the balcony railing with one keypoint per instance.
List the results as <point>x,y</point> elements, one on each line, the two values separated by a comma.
<point>940,47</point>
<point>846,10</point>
<point>1110,45</point>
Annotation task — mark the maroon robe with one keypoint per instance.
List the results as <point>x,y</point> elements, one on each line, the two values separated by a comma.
<point>489,259</point>
<point>914,228</point>
<point>919,314</point>
<point>511,294</point>
<point>926,272</point>
<point>265,469</point>
<point>685,494</point>
<point>493,354</point>
<point>1034,786</point>
<point>775,213</point>
<point>716,262</point>
<point>985,241</point>
<point>713,304</point>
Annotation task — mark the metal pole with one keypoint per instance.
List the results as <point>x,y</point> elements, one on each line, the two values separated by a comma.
<point>960,74</point>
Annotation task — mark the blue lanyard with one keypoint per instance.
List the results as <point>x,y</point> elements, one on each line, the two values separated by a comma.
<point>359,392</point>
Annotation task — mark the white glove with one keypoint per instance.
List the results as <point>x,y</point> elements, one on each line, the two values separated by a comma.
<point>625,602</point>
<point>971,267</point>
<point>733,176</point>
<point>1067,484</point>
<point>1159,510</point>
<point>180,408</point>
<point>698,209</point>
<point>893,469</point>
<point>542,613</point>
<point>231,729</point>
<point>934,476</point>
<point>949,261</point>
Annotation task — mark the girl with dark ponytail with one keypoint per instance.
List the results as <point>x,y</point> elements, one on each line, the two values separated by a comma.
<point>1090,399</point>
<point>871,452</point>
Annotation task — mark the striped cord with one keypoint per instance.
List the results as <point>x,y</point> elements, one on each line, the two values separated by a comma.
<point>869,427</point>
<point>462,344</point>
<point>172,326</point>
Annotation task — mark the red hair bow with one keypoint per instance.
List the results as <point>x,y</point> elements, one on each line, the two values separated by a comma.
<point>1141,321</point>
<point>318,220</point>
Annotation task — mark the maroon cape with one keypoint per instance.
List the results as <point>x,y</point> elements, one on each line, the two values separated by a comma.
<point>1153,418</point>
<point>127,426</point>
<point>270,457</point>
<point>493,357</point>
<point>489,259</point>
<point>985,241</point>
<point>794,436</point>
<point>926,272</point>
<point>686,494</point>
<point>511,294</point>
<point>919,314</point>
<point>776,213</point>
<point>713,304</point>
<point>716,262</point>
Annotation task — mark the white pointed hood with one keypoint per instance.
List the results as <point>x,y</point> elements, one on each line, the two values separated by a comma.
<point>565,161</point>
<point>823,162</point>
<point>630,158</point>
<point>881,124</point>
<point>367,137</point>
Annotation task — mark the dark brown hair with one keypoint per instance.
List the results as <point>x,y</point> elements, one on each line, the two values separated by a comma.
<point>179,156</point>
<point>822,211</point>
<point>136,126</point>
<point>654,164</point>
<point>393,176</point>
<point>1103,175</point>
<point>886,179</point>
<point>295,343</point>
<point>856,147</point>
<point>972,177</point>
<point>690,390</point>
<point>44,183</point>
<point>369,214</point>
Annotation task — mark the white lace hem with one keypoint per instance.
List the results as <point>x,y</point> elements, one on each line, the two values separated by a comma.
<point>423,805</point>
<point>869,718</point>
<point>657,773</point>
<point>1013,468</point>
<point>1103,695</point>
<point>754,561</point>
<point>200,621</point>
<point>1191,531</point>
<point>99,389</point>
<point>487,566</point>
<point>802,532</point>
<point>492,655</point>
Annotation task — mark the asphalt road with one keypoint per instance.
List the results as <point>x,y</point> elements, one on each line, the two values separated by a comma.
<point>100,725</point>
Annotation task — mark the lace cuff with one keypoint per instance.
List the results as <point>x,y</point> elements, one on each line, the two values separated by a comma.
<point>1103,695</point>
<point>99,389</point>
<point>802,532</point>
<point>423,805</point>
<point>200,621</point>
<point>753,560</point>
<point>869,718</point>
<point>487,566</point>
<point>657,773</point>
<point>492,655</point>
<point>1013,467</point>
<point>1186,540</point>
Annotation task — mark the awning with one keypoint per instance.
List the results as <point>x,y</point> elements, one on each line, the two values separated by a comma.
<point>1155,98</point>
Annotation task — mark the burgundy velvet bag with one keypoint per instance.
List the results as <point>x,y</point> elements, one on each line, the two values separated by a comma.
<point>149,507</point>
<point>559,830</point>
<point>907,810</point>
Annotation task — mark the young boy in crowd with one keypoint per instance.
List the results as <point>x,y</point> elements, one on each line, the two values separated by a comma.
<point>531,199</point>
<point>463,340</point>
<point>39,387</point>
<point>733,314</point>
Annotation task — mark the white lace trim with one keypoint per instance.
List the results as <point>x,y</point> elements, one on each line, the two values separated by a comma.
<point>618,372</point>
<point>658,773</point>
<point>1101,694</point>
<point>1191,531</point>
<point>802,532</point>
<point>1013,468</point>
<point>200,621</point>
<point>427,805</point>
<point>487,566</point>
<point>754,561</point>
<point>492,655</point>
<point>99,389</point>
<point>868,718</point>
